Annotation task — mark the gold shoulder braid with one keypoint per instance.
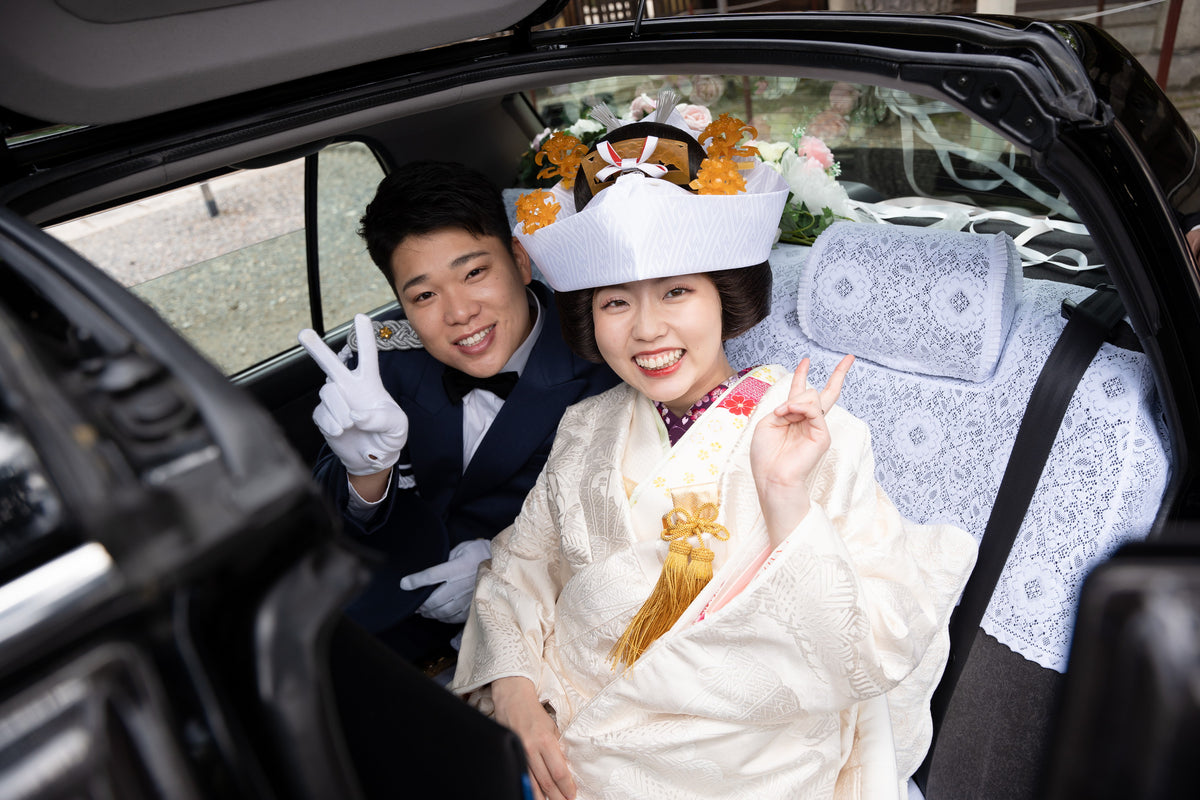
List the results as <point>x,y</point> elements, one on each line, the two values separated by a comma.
<point>390,334</point>
<point>686,570</point>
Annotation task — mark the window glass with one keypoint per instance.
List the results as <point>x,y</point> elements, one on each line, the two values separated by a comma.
<point>350,282</point>
<point>882,143</point>
<point>224,261</point>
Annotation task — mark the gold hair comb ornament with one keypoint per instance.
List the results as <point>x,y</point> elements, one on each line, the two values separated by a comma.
<point>718,176</point>
<point>726,134</point>
<point>537,209</point>
<point>564,152</point>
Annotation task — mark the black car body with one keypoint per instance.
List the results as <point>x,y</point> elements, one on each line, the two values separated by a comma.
<point>171,578</point>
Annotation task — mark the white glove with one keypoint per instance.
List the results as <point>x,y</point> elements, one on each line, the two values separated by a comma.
<point>451,601</point>
<point>359,419</point>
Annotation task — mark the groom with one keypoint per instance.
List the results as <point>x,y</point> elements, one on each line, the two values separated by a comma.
<point>431,451</point>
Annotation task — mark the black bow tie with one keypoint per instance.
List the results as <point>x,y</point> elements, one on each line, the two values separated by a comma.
<point>458,383</point>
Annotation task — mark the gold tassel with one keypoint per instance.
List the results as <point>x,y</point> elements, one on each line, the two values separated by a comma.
<point>685,572</point>
<point>659,612</point>
<point>699,571</point>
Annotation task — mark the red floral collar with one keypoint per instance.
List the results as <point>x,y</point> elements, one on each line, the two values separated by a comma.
<point>677,426</point>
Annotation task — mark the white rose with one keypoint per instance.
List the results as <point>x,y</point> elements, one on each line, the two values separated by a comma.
<point>584,126</point>
<point>814,187</point>
<point>770,152</point>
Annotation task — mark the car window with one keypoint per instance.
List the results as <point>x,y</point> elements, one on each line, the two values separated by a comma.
<point>350,283</point>
<point>878,143</point>
<point>225,261</point>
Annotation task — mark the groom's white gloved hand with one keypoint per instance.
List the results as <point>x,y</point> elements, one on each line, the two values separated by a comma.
<point>363,425</point>
<point>451,601</point>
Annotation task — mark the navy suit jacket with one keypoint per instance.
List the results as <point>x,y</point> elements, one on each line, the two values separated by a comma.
<point>415,529</point>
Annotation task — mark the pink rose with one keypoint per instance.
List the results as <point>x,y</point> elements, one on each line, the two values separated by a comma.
<point>830,127</point>
<point>814,148</point>
<point>843,97</point>
<point>641,106</point>
<point>696,117</point>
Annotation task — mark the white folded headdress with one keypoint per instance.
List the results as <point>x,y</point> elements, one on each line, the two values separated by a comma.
<point>644,225</point>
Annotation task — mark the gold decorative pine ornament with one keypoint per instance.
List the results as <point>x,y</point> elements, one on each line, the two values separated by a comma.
<point>725,133</point>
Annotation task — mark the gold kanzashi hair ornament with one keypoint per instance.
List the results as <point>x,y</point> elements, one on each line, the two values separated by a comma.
<point>718,176</point>
<point>536,210</point>
<point>655,157</point>
<point>564,152</point>
<point>686,570</point>
<point>726,135</point>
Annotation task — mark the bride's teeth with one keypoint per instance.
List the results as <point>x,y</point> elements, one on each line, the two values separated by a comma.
<point>475,339</point>
<point>659,361</point>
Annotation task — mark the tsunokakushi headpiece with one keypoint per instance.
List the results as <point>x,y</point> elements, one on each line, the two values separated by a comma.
<point>650,200</point>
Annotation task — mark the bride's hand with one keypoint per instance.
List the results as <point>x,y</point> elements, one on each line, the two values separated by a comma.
<point>788,444</point>
<point>518,709</point>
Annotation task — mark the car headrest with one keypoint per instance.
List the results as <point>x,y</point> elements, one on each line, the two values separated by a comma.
<point>920,300</point>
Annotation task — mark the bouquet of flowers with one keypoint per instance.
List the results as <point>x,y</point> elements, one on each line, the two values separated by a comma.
<point>532,173</point>
<point>817,200</point>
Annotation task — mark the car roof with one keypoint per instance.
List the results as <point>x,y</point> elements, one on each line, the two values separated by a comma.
<point>89,62</point>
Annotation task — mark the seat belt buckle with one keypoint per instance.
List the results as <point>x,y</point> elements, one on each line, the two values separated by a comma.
<point>1103,307</point>
<point>1069,306</point>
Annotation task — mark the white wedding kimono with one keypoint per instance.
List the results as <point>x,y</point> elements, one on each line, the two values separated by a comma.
<point>802,672</point>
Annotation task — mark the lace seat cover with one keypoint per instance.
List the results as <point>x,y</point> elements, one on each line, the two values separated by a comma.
<point>942,431</point>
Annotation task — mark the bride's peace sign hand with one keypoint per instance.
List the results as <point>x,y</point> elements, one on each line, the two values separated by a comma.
<point>788,444</point>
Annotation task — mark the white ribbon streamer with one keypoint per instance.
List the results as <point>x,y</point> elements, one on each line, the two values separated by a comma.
<point>910,111</point>
<point>962,217</point>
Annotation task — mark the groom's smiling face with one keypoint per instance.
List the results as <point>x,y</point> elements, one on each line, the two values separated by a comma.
<point>465,297</point>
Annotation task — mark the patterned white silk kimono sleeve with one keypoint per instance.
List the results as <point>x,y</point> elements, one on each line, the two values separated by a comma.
<point>813,680</point>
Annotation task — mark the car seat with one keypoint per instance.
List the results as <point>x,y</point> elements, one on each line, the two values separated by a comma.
<point>950,340</point>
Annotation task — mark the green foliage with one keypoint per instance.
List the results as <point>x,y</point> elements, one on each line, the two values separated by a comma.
<point>798,225</point>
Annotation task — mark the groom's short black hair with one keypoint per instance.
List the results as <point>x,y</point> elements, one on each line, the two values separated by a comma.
<point>423,197</point>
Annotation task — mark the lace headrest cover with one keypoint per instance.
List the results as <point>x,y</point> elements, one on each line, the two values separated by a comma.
<point>920,300</point>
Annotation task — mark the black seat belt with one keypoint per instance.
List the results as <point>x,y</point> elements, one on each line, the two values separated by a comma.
<point>1088,325</point>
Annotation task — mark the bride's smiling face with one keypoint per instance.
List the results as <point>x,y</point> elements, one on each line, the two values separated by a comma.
<point>662,336</point>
